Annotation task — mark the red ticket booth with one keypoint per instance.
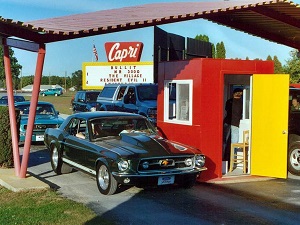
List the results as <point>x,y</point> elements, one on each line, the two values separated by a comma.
<point>191,101</point>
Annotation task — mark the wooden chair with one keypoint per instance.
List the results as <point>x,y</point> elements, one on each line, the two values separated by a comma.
<point>235,158</point>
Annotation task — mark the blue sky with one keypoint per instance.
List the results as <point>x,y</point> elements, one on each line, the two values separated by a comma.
<point>67,57</point>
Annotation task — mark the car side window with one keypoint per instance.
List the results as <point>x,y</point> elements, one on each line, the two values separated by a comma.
<point>76,126</point>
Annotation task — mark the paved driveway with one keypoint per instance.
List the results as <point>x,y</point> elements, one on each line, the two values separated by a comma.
<point>274,201</point>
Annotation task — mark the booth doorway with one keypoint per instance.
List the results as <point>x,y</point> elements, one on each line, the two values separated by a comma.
<point>265,115</point>
<point>232,82</point>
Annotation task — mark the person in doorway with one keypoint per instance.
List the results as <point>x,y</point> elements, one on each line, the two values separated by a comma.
<point>234,112</point>
<point>295,104</point>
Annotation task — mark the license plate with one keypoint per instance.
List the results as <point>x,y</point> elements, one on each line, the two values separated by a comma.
<point>163,180</point>
<point>39,137</point>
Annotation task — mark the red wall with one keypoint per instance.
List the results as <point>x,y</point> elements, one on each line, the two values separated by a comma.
<point>208,86</point>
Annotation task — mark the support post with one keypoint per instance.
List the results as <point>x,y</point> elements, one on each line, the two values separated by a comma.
<point>11,107</point>
<point>32,109</point>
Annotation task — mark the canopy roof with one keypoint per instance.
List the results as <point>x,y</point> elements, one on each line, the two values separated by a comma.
<point>277,21</point>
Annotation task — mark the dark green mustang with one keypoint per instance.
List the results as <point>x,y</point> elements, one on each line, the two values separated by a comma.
<point>121,149</point>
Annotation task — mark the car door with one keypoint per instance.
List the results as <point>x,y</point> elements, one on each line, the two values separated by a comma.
<point>119,103</point>
<point>74,147</point>
<point>130,100</point>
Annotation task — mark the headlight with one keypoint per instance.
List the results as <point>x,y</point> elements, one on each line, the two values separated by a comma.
<point>123,165</point>
<point>199,160</point>
<point>145,165</point>
<point>188,162</point>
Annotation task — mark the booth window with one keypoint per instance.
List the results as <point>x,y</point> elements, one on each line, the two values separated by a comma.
<point>178,101</point>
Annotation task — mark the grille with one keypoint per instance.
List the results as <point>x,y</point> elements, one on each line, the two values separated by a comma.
<point>164,163</point>
<point>41,127</point>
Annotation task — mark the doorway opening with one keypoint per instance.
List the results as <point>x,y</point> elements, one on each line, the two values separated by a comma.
<point>236,161</point>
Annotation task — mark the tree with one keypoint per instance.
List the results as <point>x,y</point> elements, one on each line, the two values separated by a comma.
<point>15,68</point>
<point>77,79</point>
<point>220,51</point>
<point>292,67</point>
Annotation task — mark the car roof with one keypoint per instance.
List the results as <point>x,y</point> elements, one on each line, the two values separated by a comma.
<point>92,115</point>
<point>131,84</point>
<point>90,91</point>
<point>28,103</point>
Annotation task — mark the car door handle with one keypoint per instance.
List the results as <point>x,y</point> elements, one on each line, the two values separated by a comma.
<point>284,132</point>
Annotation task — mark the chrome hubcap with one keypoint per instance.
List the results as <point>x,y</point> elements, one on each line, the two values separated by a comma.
<point>55,157</point>
<point>103,177</point>
<point>295,159</point>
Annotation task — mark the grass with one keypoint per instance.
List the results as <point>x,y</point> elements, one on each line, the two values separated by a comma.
<point>62,103</point>
<point>44,207</point>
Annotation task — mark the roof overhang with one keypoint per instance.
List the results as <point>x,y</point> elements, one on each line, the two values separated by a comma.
<point>277,21</point>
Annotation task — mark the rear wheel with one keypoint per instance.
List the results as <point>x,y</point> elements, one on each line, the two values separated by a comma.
<point>43,94</point>
<point>294,159</point>
<point>106,183</point>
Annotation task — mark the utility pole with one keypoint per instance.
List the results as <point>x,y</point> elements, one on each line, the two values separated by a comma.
<point>65,81</point>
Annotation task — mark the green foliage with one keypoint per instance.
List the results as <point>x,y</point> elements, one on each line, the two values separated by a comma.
<point>6,153</point>
<point>220,51</point>
<point>77,79</point>
<point>292,67</point>
<point>15,68</point>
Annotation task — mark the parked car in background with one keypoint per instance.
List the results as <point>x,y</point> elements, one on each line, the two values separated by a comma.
<point>135,98</point>
<point>85,101</point>
<point>52,91</point>
<point>17,98</point>
<point>121,149</point>
<point>294,135</point>
<point>46,117</point>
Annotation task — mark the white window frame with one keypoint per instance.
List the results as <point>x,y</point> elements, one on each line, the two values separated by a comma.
<point>167,102</point>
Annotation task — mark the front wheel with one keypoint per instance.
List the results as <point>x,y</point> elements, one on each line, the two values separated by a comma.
<point>58,166</point>
<point>43,94</point>
<point>55,95</point>
<point>106,183</point>
<point>294,159</point>
<point>56,161</point>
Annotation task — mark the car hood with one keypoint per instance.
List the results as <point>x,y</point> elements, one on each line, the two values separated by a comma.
<point>147,146</point>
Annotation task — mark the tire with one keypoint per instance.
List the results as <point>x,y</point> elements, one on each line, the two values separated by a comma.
<point>106,183</point>
<point>55,95</point>
<point>56,161</point>
<point>43,94</point>
<point>294,159</point>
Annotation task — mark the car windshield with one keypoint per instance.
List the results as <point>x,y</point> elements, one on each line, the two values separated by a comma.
<point>41,109</point>
<point>147,92</point>
<point>112,127</point>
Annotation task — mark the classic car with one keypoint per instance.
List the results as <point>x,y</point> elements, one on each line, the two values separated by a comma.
<point>46,117</point>
<point>17,98</point>
<point>52,91</point>
<point>121,148</point>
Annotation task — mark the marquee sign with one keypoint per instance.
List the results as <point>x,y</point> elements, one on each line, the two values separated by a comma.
<point>97,74</point>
